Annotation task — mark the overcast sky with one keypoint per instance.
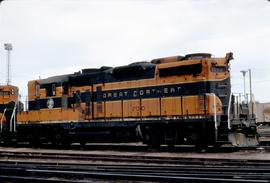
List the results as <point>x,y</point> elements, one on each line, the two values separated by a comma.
<point>56,37</point>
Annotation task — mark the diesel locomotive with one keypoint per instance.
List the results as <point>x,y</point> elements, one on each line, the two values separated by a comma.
<point>171,100</point>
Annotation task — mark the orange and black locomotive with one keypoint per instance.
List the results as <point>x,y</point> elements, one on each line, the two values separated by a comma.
<point>172,100</point>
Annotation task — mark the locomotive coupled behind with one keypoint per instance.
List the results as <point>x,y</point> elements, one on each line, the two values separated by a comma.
<point>171,100</point>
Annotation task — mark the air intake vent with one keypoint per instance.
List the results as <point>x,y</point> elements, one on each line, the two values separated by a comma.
<point>167,59</point>
<point>198,56</point>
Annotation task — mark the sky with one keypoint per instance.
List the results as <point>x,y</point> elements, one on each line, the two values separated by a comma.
<point>57,37</point>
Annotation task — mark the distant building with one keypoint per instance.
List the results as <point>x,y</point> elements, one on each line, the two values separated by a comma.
<point>262,111</point>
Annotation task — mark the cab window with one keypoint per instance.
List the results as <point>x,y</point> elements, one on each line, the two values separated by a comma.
<point>51,90</point>
<point>215,68</point>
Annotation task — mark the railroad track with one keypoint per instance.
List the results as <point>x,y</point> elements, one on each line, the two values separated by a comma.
<point>61,158</point>
<point>137,147</point>
<point>35,166</point>
<point>185,173</point>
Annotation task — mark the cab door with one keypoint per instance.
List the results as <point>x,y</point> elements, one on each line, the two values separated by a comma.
<point>99,108</point>
<point>88,105</point>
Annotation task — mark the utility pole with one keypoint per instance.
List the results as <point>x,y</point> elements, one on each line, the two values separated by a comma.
<point>250,86</point>
<point>1,1</point>
<point>244,77</point>
<point>251,94</point>
<point>8,47</point>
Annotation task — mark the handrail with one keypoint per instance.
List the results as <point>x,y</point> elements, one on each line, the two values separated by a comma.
<point>229,109</point>
<point>215,114</point>
<point>215,109</point>
<point>1,128</point>
<point>12,119</point>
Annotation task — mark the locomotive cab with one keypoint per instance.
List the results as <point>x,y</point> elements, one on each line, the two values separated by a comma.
<point>48,102</point>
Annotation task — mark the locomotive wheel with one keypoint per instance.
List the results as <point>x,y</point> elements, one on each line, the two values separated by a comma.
<point>34,141</point>
<point>153,145</point>
<point>7,141</point>
<point>152,140</point>
<point>64,140</point>
<point>170,146</point>
<point>65,143</point>
<point>217,144</point>
<point>151,135</point>
<point>61,140</point>
<point>82,144</point>
<point>201,146</point>
<point>202,143</point>
<point>55,140</point>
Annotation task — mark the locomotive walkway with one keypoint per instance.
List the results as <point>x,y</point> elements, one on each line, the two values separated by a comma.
<point>34,165</point>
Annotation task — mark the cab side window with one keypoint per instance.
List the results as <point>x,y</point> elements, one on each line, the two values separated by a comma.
<point>216,68</point>
<point>51,90</point>
<point>37,90</point>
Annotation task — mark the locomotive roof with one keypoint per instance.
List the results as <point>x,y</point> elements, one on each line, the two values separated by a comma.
<point>136,70</point>
<point>105,74</point>
<point>55,79</point>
